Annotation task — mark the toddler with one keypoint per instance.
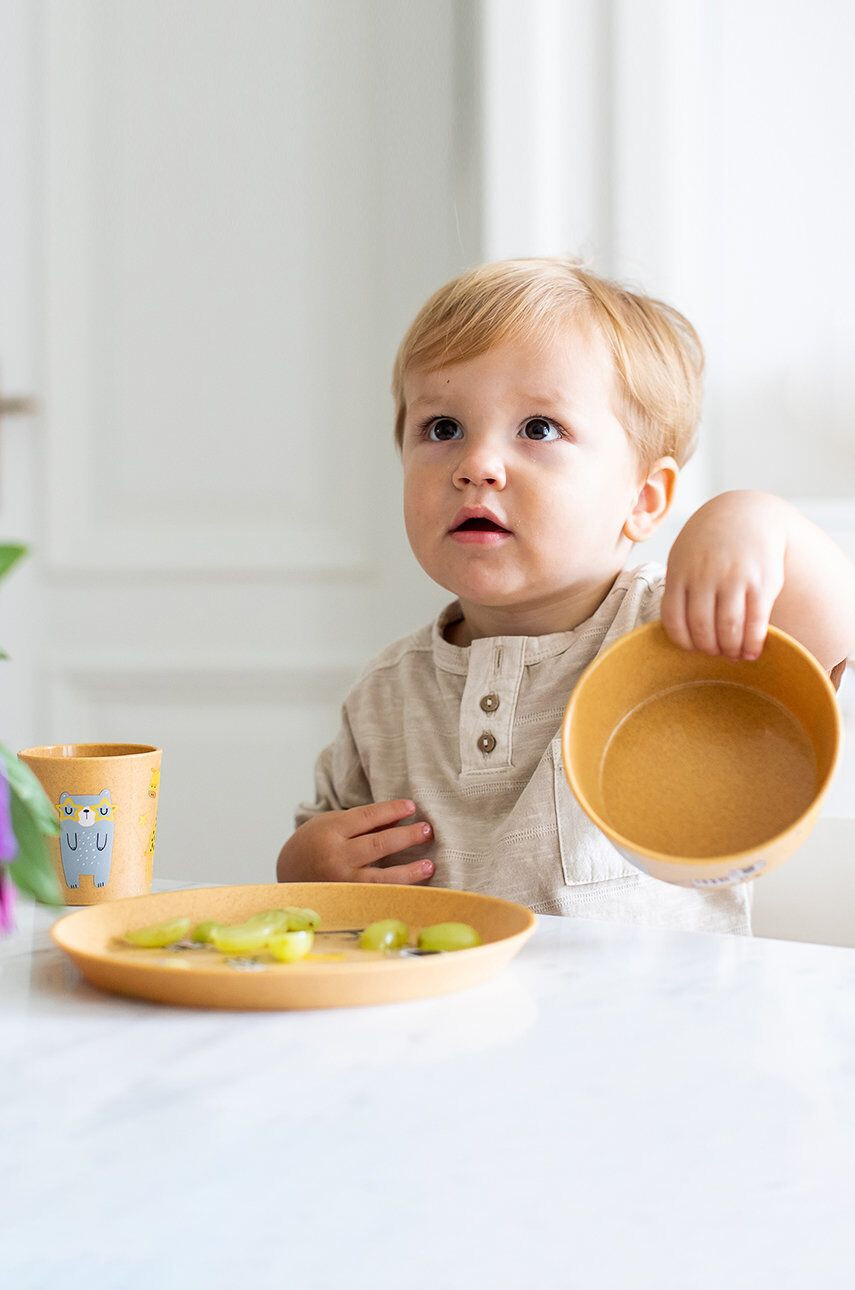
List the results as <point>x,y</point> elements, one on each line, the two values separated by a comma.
<point>543,415</point>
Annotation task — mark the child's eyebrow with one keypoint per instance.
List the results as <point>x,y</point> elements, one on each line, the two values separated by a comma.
<point>556,398</point>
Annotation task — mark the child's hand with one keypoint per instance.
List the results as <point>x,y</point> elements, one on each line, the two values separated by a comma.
<point>344,846</point>
<point>725,572</point>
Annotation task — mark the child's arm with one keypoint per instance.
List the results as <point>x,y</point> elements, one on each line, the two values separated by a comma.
<point>746,559</point>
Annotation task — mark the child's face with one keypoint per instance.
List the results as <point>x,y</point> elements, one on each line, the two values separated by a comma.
<point>531,435</point>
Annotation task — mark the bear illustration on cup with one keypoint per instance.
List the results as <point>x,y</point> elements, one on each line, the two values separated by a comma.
<point>86,836</point>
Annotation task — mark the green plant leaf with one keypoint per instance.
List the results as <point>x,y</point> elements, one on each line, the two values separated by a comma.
<point>10,553</point>
<point>32,870</point>
<point>3,654</point>
<point>27,788</point>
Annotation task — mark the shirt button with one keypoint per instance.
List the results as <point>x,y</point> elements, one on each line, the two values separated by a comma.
<point>490,702</point>
<point>487,742</point>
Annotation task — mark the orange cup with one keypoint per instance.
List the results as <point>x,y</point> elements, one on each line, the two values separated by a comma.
<point>105,797</point>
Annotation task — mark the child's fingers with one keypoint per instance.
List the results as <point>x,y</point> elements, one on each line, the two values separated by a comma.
<point>757,611</point>
<point>371,847</point>
<point>730,620</point>
<point>415,871</point>
<point>376,815</point>
<point>673,615</point>
<point>700,618</point>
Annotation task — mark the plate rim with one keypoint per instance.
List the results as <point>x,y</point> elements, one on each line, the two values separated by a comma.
<point>370,967</point>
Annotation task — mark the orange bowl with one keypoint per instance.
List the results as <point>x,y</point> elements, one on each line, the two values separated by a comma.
<point>701,770</point>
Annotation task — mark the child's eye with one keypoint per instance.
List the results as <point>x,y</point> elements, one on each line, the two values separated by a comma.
<point>542,426</point>
<point>444,426</point>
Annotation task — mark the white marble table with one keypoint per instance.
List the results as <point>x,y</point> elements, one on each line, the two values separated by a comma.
<point>619,1108</point>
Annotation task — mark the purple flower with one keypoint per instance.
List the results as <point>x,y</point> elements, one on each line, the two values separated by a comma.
<point>8,843</point>
<point>7,901</point>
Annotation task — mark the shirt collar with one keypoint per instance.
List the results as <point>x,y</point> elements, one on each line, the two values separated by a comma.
<point>455,658</point>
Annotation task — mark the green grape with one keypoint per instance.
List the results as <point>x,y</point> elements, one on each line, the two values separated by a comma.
<point>157,935</point>
<point>290,919</point>
<point>289,947</point>
<point>202,931</point>
<point>448,936</point>
<point>302,920</point>
<point>275,919</point>
<point>388,934</point>
<point>242,938</point>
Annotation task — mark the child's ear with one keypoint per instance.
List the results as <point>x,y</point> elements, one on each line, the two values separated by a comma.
<point>653,501</point>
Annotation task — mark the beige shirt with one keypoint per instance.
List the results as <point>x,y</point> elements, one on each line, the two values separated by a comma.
<point>505,821</point>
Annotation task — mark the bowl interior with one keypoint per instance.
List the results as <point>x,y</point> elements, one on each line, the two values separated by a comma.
<point>679,754</point>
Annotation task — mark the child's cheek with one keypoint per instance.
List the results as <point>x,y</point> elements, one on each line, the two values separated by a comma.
<point>416,519</point>
<point>418,503</point>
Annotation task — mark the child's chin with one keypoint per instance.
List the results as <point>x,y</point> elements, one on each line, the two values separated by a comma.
<point>483,591</point>
<point>478,583</point>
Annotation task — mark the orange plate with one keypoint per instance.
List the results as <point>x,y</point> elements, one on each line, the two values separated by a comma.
<point>192,978</point>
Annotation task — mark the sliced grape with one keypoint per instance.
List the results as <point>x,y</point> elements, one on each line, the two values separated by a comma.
<point>241,938</point>
<point>448,936</point>
<point>275,919</point>
<point>202,931</point>
<point>288,947</point>
<point>387,934</point>
<point>290,919</point>
<point>157,935</point>
<point>302,920</point>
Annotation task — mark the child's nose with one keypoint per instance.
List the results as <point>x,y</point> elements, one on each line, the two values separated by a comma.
<point>480,465</point>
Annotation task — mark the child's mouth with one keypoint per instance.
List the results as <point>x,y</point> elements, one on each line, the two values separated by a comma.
<point>480,531</point>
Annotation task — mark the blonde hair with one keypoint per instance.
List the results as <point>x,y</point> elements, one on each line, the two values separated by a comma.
<point>658,355</point>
